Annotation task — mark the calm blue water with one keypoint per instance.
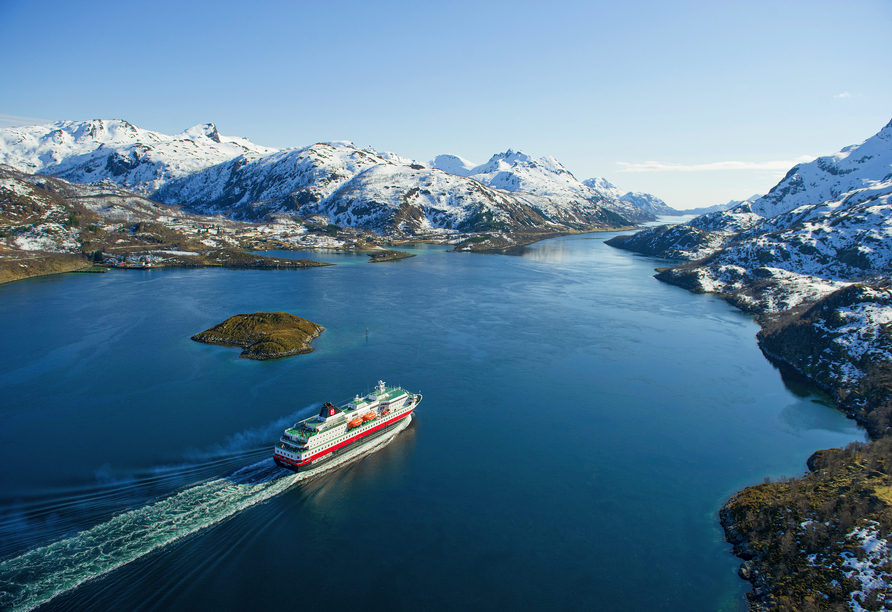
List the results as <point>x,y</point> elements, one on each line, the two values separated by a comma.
<point>581,426</point>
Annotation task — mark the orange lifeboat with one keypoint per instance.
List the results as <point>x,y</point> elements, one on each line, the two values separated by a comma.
<point>368,416</point>
<point>355,422</point>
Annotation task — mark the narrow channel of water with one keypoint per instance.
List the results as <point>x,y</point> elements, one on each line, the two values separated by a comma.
<point>581,426</point>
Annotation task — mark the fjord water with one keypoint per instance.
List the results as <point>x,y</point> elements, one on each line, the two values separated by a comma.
<point>581,426</point>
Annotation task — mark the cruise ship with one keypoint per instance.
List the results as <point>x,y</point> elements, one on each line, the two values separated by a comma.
<point>335,430</point>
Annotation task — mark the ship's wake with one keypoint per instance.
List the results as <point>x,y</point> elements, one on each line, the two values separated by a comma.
<point>57,513</point>
<point>41,574</point>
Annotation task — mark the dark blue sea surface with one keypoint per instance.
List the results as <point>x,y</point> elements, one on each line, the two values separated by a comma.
<point>582,424</point>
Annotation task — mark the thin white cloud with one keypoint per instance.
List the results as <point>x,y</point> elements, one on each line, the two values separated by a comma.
<point>7,120</point>
<point>653,166</point>
<point>844,94</point>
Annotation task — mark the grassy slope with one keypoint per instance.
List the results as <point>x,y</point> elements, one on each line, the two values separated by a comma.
<point>264,335</point>
<point>794,534</point>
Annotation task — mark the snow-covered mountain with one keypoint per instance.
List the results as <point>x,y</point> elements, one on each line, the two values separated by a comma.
<point>645,201</point>
<point>136,159</point>
<point>207,172</point>
<point>814,258</point>
<point>648,202</point>
<point>826,222</point>
<point>453,164</point>
<point>517,172</point>
<point>603,186</point>
<point>365,188</point>
<point>827,178</point>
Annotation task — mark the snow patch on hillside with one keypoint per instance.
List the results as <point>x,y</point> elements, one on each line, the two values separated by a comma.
<point>871,569</point>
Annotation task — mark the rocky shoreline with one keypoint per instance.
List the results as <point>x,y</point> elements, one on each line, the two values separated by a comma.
<point>14,269</point>
<point>821,541</point>
<point>815,542</point>
<point>36,264</point>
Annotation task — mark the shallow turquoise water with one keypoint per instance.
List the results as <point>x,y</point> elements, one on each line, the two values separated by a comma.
<point>582,424</point>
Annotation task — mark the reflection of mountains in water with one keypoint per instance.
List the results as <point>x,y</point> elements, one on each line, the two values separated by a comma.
<point>41,574</point>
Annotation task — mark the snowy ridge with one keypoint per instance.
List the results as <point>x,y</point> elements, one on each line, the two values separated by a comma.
<point>306,175</point>
<point>831,220</point>
<point>140,160</point>
<point>206,172</point>
<point>517,172</point>
<point>827,178</point>
<point>365,188</point>
<point>604,187</point>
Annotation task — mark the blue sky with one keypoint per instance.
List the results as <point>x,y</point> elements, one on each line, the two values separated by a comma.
<point>655,96</point>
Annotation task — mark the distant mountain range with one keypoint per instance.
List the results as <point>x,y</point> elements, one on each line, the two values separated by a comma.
<point>205,172</point>
<point>718,207</point>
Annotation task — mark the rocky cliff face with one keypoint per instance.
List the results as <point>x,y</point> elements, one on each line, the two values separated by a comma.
<point>844,343</point>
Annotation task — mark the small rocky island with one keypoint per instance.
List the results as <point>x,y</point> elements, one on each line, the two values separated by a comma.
<point>264,335</point>
<point>388,255</point>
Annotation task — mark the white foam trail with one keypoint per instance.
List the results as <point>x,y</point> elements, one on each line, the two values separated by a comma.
<point>251,438</point>
<point>41,574</point>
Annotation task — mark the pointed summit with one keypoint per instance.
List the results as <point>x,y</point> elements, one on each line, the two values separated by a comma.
<point>207,130</point>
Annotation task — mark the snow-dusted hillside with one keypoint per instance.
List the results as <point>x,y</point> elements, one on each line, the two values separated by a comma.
<point>829,220</point>
<point>649,203</point>
<point>673,242</point>
<point>604,187</point>
<point>848,239</point>
<point>366,188</point>
<point>139,160</point>
<point>827,178</point>
<point>730,221</point>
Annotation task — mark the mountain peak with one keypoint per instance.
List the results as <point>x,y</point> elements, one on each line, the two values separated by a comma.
<point>511,156</point>
<point>208,130</point>
<point>824,179</point>
<point>886,132</point>
<point>452,164</point>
